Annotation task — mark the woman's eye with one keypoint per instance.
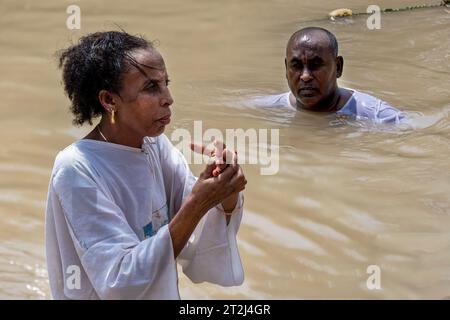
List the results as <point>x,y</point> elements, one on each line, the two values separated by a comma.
<point>155,86</point>
<point>150,87</point>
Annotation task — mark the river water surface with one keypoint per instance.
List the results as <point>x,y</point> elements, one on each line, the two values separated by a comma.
<point>346,196</point>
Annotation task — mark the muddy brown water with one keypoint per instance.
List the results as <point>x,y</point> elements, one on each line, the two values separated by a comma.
<point>345,196</point>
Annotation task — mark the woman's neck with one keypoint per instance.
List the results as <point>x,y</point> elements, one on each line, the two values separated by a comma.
<point>112,133</point>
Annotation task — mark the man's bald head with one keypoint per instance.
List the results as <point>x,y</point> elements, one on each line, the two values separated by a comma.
<point>316,36</point>
<point>313,67</point>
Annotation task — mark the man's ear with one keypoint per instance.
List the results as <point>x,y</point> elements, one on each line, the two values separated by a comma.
<point>107,100</point>
<point>339,66</point>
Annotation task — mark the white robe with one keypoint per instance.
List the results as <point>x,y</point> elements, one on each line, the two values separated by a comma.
<point>360,105</point>
<point>107,217</point>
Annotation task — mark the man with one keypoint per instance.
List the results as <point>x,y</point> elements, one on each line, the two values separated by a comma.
<point>312,69</point>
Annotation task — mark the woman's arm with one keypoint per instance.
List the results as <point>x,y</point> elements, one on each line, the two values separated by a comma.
<point>101,242</point>
<point>207,192</point>
<point>210,253</point>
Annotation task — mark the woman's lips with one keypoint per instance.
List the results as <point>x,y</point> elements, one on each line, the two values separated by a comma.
<point>165,120</point>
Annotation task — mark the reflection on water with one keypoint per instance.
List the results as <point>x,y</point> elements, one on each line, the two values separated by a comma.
<point>18,277</point>
<point>347,195</point>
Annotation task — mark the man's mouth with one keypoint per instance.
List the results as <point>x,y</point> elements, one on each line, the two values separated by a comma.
<point>307,91</point>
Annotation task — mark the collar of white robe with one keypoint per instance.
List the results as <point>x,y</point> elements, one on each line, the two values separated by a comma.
<point>143,149</point>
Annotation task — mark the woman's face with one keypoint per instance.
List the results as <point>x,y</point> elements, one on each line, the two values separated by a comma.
<point>143,108</point>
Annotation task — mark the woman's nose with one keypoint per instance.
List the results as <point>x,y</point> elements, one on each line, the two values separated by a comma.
<point>167,99</point>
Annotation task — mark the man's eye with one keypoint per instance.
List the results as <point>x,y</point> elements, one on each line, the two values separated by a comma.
<point>315,64</point>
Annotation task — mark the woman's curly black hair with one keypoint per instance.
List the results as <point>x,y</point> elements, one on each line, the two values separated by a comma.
<point>96,63</point>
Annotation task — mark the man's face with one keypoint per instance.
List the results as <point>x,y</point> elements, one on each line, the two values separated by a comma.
<point>311,69</point>
<point>143,105</point>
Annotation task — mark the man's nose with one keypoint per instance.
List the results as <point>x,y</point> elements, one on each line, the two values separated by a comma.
<point>306,76</point>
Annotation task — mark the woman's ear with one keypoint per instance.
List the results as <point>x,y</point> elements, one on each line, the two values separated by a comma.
<point>107,100</point>
<point>339,66</point>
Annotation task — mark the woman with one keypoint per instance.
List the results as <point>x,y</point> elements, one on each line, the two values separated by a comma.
<point>123,205</point>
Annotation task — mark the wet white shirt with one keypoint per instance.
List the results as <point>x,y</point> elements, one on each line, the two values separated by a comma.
<point>107,217</point>
<point>360,106</point>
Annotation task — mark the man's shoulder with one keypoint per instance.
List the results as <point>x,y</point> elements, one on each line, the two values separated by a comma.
<point>369,106</point>
<point>273,100</point>
<point>364,97</point>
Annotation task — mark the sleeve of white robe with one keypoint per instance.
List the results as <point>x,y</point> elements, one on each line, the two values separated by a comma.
<point>117,263</point>
<point>211,253</point>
